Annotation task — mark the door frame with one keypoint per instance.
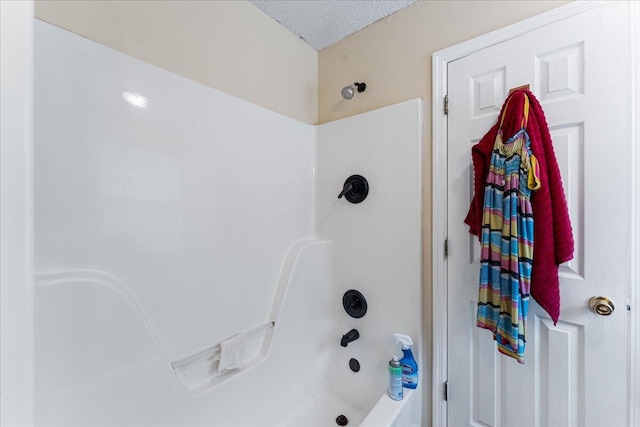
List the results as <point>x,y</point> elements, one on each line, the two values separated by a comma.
<point>439,277</point>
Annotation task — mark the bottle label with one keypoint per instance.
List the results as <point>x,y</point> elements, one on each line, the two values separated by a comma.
<point>410,381</point>
<point>395,383</point>
<point>395,389</point>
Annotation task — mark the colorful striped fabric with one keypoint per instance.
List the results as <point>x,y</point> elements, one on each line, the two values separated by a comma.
<point>507,243</point>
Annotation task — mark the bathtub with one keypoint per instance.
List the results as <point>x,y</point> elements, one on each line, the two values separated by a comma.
<point>318,411</point>
<point>162,231</point>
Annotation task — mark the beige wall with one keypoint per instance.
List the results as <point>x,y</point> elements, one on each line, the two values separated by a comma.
<point>393,56</point>
<point>230,45</point>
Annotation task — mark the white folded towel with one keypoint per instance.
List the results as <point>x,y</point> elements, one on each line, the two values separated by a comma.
<point>232,353</point>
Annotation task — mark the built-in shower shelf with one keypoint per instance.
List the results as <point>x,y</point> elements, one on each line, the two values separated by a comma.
<point>198,372</point>
<point>212,354</point>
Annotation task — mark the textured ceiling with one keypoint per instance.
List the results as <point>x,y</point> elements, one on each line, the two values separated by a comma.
<point>324,22</point>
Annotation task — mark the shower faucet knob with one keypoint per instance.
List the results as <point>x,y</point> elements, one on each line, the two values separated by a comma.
<point>355,189</point>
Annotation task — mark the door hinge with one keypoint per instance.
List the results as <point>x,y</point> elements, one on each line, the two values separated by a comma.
<point>446,104</point>
<point>446,391</point>
<point>446,248</point>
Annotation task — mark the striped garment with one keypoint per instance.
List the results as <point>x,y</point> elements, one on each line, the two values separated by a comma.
<point>507,243</point>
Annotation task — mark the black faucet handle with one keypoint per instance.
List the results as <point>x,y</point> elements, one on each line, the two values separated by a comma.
<point>347,188</point>
<point>355,189</point>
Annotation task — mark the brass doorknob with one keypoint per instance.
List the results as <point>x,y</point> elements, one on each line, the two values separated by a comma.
<point>601,305</point>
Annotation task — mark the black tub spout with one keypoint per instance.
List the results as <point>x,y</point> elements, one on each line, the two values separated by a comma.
<point>350,336</point>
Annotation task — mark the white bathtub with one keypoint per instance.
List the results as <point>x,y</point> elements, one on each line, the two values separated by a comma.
<point>390,413</point>
<point>319,410</point>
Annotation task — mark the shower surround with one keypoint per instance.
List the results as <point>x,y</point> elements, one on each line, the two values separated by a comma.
<point>170,216</point>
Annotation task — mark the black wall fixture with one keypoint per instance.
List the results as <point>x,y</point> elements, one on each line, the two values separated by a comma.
<point>355,189</point>
<point>354,303</point>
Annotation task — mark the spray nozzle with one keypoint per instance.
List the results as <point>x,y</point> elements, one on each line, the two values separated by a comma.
<point>405,340</point>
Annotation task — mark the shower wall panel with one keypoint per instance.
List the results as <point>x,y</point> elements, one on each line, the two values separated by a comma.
<point>165,227</point>
<point>179,197</point>
<point>376,243</point>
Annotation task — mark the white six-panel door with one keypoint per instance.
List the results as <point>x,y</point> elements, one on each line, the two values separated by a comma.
<point>576,371</point>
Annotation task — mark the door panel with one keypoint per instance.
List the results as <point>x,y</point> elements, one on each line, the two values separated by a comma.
<point>575,371</point>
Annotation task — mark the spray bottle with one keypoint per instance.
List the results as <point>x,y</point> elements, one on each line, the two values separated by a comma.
<point>409,365</point>
<point>395,379</point>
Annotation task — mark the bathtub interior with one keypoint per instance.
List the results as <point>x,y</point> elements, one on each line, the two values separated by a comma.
<point>161,231</point>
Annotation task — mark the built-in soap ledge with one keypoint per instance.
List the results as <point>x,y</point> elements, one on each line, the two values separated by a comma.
<point>198,371</point>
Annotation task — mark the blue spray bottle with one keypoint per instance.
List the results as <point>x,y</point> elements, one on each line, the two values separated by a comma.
<point>409,365</point>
